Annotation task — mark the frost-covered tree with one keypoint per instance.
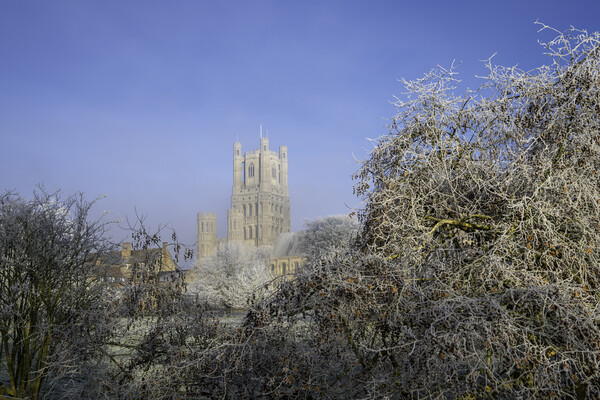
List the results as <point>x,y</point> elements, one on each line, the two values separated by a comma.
<point>231,274</point>
<point>476,270</point>
<point>50,309</point>
<point>322,235</point>
<point>487,207</point>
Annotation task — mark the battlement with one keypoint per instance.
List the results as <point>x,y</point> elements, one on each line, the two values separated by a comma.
<point>207,215</point>
<point>256,152</point>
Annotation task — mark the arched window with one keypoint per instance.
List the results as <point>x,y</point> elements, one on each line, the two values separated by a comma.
<point>274,172</point>
<point>283,268</point>
<point>250,233</point>
<point>249,210</point>
<point>250,170</point>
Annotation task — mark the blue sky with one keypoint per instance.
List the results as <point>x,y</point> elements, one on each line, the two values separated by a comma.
<point>142,100</point>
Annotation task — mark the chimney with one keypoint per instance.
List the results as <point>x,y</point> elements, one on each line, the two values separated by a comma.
<point>126,250</point>
<point>165,251</point>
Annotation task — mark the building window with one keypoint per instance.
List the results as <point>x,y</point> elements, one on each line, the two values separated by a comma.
<point>250,170</point>
<point>274,172</point>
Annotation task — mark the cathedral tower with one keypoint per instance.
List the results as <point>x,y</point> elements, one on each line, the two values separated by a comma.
<point>260,200</point>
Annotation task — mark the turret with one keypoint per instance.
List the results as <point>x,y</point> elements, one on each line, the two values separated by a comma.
<point>237,164</point>
<point>283,161</point>
<point>264,162</point>
<point>207,233</point>
<point>264,144</point>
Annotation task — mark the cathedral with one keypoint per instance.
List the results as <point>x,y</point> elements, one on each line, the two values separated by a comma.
<point>260,200</point>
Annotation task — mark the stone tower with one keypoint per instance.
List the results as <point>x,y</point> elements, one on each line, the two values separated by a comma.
<point>260,200</point>
<point>207,234</point>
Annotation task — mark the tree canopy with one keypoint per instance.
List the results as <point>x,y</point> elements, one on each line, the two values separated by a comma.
<point>50,310</point>
<point>475,272</point>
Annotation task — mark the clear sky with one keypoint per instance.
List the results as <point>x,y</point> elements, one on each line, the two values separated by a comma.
<point>142,100</point>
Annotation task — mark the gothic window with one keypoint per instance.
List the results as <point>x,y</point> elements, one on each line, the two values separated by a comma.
<point>244,210</point>
<point>274,172</point>
<point>250,233</point>
<point>283,268</point>
<point>279,167</point>
<point>249,210</point>
<point>250,170</point>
